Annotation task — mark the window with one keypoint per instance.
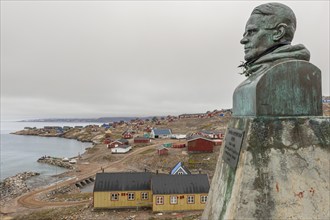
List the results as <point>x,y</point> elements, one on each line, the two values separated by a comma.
<point>203,199</point>
<point>144,195</point>
<point>131,196</point>
<point>180,173</point>
<point>191,199</point>
<point>174,200</point>
<point>114,196</point>
<point>159,200</point>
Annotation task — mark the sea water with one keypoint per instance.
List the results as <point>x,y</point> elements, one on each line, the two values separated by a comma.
<point>19,153</point>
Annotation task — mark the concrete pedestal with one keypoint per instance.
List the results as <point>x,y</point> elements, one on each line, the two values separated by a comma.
<point>283,171</point>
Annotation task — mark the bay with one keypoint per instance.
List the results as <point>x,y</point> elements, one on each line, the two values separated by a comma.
<point>20,153</point>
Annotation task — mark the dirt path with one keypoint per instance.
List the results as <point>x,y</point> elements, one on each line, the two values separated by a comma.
<point>29,200</point>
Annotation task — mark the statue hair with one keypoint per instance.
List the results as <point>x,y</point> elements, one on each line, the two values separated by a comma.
<point>277,13</point>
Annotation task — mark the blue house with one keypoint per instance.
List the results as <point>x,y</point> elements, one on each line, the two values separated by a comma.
<point>179,169</point>
<point>161,133</point>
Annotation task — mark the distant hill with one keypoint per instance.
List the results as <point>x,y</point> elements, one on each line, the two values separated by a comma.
<point>86,120</point>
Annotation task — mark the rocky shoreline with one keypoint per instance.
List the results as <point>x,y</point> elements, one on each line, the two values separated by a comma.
<point>55,162</point>
<point>14,186</point>
<point>90,133</point>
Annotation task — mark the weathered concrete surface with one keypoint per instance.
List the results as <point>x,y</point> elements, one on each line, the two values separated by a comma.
<point>283,171</point>
<point>290,88</point>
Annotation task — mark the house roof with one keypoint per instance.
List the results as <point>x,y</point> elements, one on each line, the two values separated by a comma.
<point>122,181</point>
<point>177,167</point>
<point>198,137</point>
<point>161,148</point>
<point>123,140</point>
<point>119,141</point>
<point>180,184</point>
<point>162,131</point>
<point>141,138</point>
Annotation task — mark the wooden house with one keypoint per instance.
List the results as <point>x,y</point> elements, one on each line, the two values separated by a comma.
<point>122,190</point>
<point>142,140</point>
<point>161,133</point>
<point>127,135</point>
<point>179,192</point>
<point>117,143</point>
<point>199,144</point>
<point>161,192</point>
<point>180,169</point>
<point>122,149</point>
<point>179,145</point>
<point>161,150</point>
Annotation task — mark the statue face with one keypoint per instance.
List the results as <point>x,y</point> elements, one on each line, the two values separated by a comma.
<point>256,38</point>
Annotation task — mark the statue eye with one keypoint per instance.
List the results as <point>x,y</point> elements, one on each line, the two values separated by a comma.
<point>250,32</point>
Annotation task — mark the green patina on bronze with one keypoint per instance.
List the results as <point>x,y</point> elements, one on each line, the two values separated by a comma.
<point>230,176</point>
<point>281,85</point>
<point>281,81</point>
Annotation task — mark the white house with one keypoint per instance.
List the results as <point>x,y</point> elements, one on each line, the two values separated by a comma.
<point>161,133</point>
<point>122,149</point>
<point>178,136</point>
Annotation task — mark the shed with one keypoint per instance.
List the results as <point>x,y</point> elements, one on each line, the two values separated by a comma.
<point>179,145</point>
<point>168,145</point>
<point>198,144</point>
<point>161,150</point>
<point>141,140</point>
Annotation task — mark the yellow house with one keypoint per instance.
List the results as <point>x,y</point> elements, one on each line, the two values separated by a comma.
<point>179,192</point>
<point>161,192</point>
<point>122,190</point>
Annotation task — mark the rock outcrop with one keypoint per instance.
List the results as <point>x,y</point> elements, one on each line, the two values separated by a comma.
<point>15,186</point>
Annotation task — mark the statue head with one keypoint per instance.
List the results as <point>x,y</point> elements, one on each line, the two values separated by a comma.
<point>269,25</point>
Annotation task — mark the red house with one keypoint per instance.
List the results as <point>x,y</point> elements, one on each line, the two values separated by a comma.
<point>107,141</point>
<point>161,150</point>
<point>141,140</point>
<point>127,135</point>
<point>197,144</point>
<point>179,145</point>
<point>118,143</point>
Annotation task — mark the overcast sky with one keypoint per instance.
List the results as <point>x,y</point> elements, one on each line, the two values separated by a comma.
<point>133,58</point>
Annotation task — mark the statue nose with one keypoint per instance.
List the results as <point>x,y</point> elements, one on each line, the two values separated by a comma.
<point>244,40</point>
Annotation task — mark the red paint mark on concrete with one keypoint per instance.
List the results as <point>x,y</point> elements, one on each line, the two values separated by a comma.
<point>277,187</point>
<point>300,194</point>
<point>312,191</point>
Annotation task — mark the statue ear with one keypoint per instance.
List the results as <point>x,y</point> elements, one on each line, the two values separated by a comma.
<point>279,32</point>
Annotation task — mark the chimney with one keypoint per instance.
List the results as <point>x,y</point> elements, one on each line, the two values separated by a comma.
<point>199,170</point>
<point>156,171</point>
<point>145,170</point>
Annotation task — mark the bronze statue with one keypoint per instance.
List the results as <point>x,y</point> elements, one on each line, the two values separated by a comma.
<point>281,81</point>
